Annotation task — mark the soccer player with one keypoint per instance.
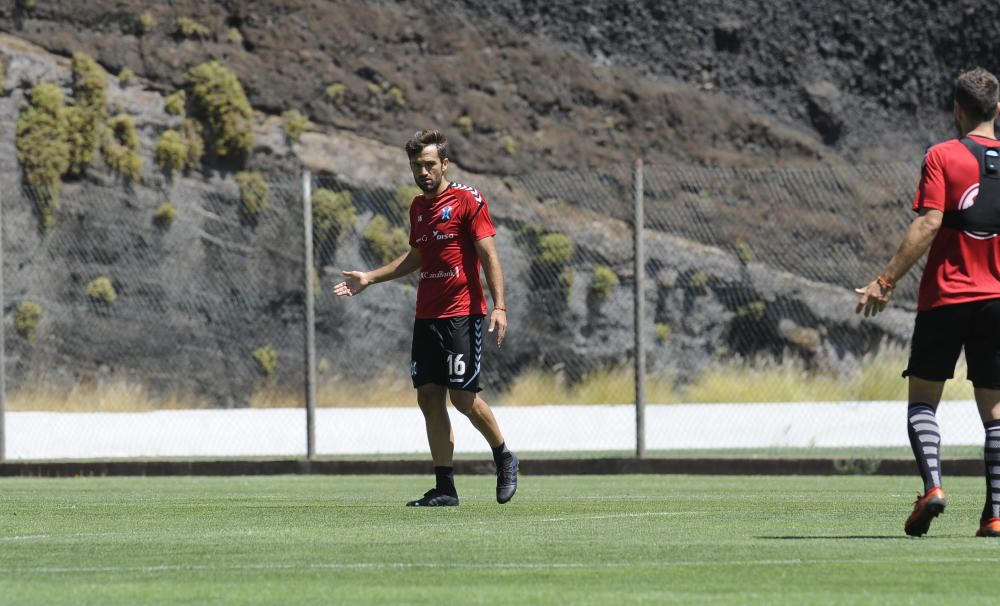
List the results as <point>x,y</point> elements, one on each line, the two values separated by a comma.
<point>958,219</point>
<point>451,232</point>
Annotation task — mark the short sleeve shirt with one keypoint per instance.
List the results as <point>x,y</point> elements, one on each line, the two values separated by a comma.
<point>961,266</point>
<point>444,230</point>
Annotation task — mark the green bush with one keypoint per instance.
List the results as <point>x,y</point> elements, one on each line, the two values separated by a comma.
<point>566,278</point>
<point>26,318</point>
<point>753,310</point>
<point>383,240</point>
<point>191,132</point>
<point>120,146</point>
<point>25,4</point>
<point>743,251</point>
<point>396,95</point>
<point>335,92</point>
<point>147,22</point>
<point>253,192</point>
<point>234,36</point>
<point>84,117</point>
<point>294,124</point>
<point>698,280</point>
<point>554,250</point>
<point>100,290</point>
<point>164,215</point>
<point>332,214</point>
<point>218,100</point>
<point>177,152</point>
<point>83,127</point>
<point>602,282</point>
<point>189,28</point>
<point>170,153</point>
<point>509,145</point>
<point>402,198</point>
<point>125,76</point>
<point>663,331</point>
<point>551,276</point>
<point>464,124</point>
<point>175,103</point>
<point>266,359</point>
<point>42,147</point>
<point>90,82</point>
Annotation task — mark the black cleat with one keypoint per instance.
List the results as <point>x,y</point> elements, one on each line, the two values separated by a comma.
<point>506,477</point>
<point>435,498</point>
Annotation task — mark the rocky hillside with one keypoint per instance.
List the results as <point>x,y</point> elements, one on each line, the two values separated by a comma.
<point>521,87</point>
<point>529,84</point>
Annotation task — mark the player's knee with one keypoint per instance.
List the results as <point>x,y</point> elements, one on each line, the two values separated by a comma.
<point>463,401</point>
<point>430,400</point>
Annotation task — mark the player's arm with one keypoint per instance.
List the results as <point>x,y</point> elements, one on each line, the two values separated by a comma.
<point>357,281</point>
<point>918,239</point>
<point>486,248</point>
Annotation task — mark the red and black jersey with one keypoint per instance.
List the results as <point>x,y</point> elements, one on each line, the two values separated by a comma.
<point>962,266</point>
<point>445,229</point>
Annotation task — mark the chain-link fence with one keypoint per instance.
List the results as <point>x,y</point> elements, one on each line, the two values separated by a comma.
<point>171,320</point>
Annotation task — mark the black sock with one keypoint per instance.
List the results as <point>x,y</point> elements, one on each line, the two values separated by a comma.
<point>991,456</point>
<point>925,440</point>
<point>446,480</point>
<point>498,451</point>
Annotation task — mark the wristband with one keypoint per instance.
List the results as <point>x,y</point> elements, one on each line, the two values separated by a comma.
<point>500,308</point>
<point>886,284</point>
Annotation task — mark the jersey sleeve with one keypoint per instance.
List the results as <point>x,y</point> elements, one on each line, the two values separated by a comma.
<point>931,191</point>
<point>480,222</point>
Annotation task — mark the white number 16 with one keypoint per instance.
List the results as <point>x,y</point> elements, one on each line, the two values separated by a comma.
<point>456,366</point>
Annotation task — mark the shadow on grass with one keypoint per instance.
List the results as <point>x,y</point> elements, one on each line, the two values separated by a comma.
<point>849,537</point>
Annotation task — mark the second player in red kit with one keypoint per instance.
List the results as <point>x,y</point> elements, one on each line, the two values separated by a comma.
<point>958,221</point>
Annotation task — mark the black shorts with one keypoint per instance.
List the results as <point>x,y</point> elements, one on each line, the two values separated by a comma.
<point>942,332</point>
<point>447,351</point>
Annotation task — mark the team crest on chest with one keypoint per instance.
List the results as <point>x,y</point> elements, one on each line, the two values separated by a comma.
<point>446,213</point>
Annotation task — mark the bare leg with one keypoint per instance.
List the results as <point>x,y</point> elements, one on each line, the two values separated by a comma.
<point>927,392</point>
<point>479,413</point>
<point>440,437</point>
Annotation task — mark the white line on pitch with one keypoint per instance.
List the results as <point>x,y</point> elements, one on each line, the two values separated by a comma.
<point>617,515</point>
<point>26,537</point>
<point>463,566</point>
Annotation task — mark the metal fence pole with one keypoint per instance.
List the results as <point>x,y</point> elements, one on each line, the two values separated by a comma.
<point>310,320</point>
<point>640,311</point>
<point>3,353</point>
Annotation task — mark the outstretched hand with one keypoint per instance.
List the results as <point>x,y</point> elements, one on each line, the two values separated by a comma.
<point>873,299</point>
<point>498,321</point>
<point>356,282</point>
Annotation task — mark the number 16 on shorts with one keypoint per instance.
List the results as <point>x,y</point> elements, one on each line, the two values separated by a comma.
<point>456,368</point>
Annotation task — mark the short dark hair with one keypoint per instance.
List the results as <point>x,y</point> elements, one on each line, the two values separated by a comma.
<point>976,92</point>
<point>422,139</point>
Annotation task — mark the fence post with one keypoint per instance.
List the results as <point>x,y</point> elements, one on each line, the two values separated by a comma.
<point>310,320</point>
<point>3,351</point>
<point>639,254</point>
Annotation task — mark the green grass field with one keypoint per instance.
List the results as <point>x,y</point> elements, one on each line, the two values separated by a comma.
<point>563,540</point>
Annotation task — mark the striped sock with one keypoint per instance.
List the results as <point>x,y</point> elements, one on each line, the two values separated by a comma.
<point>925,440</point>
<point>991,455</point>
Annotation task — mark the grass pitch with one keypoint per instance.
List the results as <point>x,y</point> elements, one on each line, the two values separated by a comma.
<point>563,540</point>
